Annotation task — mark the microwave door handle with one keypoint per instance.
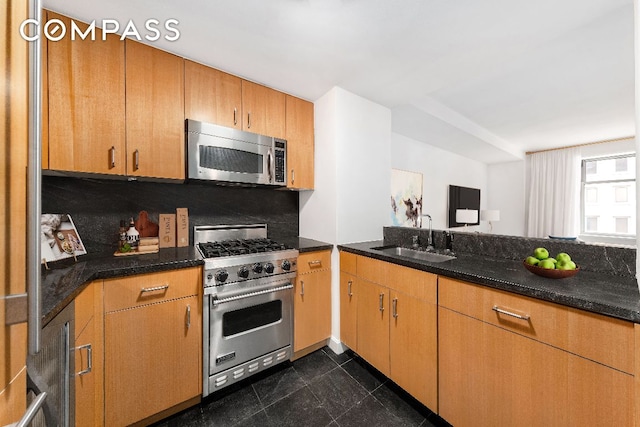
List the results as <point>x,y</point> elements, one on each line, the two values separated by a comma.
<point>270,165</point>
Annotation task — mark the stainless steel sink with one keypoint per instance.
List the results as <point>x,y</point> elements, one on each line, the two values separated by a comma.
<point>415,254</point>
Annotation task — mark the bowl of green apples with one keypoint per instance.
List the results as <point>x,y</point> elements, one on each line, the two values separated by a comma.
<point>558,267</point>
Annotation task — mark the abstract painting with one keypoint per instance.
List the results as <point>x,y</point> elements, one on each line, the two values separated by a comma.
<point>406,198</point>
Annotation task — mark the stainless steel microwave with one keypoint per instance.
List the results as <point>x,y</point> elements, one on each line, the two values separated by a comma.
<point>222,154</point>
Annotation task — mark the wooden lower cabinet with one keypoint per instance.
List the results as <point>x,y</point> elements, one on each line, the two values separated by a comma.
<point>489,376</point>
<point>152,359</point>
<point>413,347</point>
<point>89,356</point>
<point>372,328</point>
<point>348,310</point>
<point>312,300</point>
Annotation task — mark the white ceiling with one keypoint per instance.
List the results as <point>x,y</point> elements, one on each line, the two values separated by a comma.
<point>486,79</point>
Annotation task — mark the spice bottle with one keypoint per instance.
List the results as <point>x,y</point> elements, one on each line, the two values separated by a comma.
<point>133,237</point>
<point>122,234</point>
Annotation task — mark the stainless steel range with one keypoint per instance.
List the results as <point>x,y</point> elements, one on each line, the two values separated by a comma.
<point>247,304</point>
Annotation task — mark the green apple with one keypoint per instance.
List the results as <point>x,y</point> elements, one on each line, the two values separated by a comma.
<point>563,256</point>
<point>532,260</point>
<point>541,253</point>
<point>547,263</point>
<point>566,265</point>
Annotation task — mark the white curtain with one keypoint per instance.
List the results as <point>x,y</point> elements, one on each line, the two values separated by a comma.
<point>553,197</point>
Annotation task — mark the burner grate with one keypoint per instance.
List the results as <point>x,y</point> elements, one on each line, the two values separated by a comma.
<point>226,248</point>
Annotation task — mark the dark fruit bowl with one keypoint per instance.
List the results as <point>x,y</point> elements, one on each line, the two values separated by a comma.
<point>550,273</point>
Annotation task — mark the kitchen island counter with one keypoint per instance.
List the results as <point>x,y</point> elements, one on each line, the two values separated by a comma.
<point>600,293</point>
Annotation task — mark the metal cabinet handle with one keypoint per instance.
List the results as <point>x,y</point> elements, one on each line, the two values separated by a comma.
<point>395,307</point>
<point>349,283</point>
<point>249,120</point>
<point>510,313</point>
<point>381,307</point>
<point>155,288</point>
<point>315,264</point>
<point>301,288</point>
<point>112,152</point>
<point>136,159</point>
<point>293,176</point>
<point>188,316</point>
<point>235,116</point>
<point>89,359</point>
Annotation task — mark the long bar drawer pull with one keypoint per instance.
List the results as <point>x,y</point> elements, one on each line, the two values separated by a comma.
<point>155,288</point>
<point>381,307</point>
<point>89,359</point>
<point>302,288</point>
<point>349,284</point>
<point>510,313</point>
<point>395,307</point>
<point>315,264</point>
<point>188,316</point>
<point>217,301</point>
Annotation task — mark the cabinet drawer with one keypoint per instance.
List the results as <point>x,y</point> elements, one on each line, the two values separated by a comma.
<point>348,262</point>
<point>600,338</point>
<point>309,262</point>
<point>372,270</point>
<point>416,283</point>
<point>151,288</point>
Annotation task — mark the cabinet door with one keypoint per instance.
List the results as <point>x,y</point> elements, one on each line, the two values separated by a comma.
<point>212,96</point>
<point>312,309</point>
<point>155,112</point>
<point>86,84</point>
<point>153,359</point>
<point>374,309</point>
<point>263,110</point>
<point>413,348</point>
<point>348,310</point>
<point>300,143</point>
<point>89,356</point>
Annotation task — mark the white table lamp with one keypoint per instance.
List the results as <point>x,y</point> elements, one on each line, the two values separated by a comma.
<point>490,215</point>
<point>466,216</point>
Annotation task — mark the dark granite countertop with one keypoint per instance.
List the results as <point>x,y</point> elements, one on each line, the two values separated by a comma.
<point>66,279</point>
<point>310,245</point>
<point>595,292</point>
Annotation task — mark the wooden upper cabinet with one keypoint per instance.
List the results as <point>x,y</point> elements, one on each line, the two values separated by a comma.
<point>155,112</point>
<point>300,143</point>
<point>86,91</point>
<point>212,96</point>
<point>45,101</point>
<point>263,110</point>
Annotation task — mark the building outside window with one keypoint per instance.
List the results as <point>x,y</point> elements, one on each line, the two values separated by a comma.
<point>608,206</point>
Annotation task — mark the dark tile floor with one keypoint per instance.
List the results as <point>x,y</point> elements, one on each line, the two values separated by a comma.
<point>321,389</point>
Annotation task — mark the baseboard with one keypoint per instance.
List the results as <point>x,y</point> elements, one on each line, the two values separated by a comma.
<point>336,345</point>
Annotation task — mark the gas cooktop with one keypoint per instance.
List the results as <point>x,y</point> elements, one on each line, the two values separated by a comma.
<point>233,247</point>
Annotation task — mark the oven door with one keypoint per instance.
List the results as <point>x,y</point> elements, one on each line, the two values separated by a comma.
<point>228,155</point>
<point>246,326</point>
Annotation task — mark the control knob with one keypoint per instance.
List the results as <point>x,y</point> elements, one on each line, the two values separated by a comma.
<point>268,267</point>
<point>243,272</point>
<point>209,277</point>
<point>257,268</point>
<point>221,275</point>
<point>286,265</point>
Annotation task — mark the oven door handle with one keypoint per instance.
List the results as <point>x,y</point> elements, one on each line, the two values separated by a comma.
<point>217,301</point>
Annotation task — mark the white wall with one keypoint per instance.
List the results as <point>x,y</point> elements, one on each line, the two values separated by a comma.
<point>439,169</point>
<point>352,179</point>
<point>507,193</point>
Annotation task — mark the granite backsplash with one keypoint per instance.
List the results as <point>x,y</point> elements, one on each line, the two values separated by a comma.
<point>98,205</point>
<point>619,261</point>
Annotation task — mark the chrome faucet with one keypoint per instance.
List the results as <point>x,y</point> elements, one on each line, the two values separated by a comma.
<point>430,236</point>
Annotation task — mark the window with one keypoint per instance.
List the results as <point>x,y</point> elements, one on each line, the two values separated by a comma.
<point>622,194</point>
<point>591,194</point>
<point>622,225</point>
<point>608,196</point>
<point>592,223</point>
